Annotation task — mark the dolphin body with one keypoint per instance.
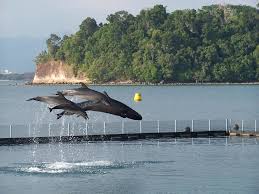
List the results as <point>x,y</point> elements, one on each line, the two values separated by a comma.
<point>60,102</point>
<point>50,100</point>
<point>87,94</point>
<point>116,108</point>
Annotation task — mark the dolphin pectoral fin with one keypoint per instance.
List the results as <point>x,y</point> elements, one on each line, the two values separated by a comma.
<point>61,106</point>
<point>123,115</point>
<point>85,116</point>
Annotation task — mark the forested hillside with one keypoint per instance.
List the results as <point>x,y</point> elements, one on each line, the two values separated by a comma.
<point>213,44</point>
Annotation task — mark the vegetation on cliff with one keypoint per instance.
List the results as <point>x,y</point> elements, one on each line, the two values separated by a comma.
<point>213,44</point>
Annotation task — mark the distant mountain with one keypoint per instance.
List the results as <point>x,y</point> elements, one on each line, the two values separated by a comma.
<point>15,76</point>
<point>17,54</point>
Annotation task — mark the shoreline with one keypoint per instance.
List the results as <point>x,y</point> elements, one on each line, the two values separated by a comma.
<point>147,84</point>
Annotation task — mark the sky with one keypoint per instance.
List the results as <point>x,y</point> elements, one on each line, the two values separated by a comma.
<point>35,20</point>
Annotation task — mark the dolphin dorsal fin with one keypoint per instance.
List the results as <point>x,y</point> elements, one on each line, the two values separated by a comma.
<point>83,85</point>
<point>60,94</point>
<point>108,98</point>
<point>105,93</point>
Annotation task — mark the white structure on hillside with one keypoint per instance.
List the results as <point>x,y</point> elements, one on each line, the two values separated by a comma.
<point>5,71</point>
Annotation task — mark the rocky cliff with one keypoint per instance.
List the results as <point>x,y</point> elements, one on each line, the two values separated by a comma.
<point>56,72</point>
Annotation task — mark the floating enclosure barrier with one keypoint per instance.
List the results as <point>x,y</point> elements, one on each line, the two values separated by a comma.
<point>126,130</point>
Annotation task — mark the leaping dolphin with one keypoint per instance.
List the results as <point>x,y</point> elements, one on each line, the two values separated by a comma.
<point>87,94</point>
<point>60,102</point>
<point>116,108</point>
<point>50,100</point>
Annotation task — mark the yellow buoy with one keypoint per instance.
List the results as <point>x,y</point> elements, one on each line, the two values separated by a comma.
<point>137,97</point>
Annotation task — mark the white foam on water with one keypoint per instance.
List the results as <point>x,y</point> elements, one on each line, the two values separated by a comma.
<point>62,167</point>
<point>68,165</point>
<point>41,170</point>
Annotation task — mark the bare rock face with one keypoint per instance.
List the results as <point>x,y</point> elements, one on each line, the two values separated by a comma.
<point>56,72</point>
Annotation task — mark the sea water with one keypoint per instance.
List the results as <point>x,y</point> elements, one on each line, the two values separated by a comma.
<point>207,165</point>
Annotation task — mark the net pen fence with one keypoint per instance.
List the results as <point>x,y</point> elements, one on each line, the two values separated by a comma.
<point>124,127</point>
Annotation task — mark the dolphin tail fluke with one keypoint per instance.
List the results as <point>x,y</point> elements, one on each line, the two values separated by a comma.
<point>50,109</point>
<point>59,116</point>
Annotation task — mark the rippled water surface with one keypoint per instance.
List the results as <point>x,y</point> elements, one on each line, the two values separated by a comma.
<point>159,102</point>
<point>170,166</point>
<point>222,165</point>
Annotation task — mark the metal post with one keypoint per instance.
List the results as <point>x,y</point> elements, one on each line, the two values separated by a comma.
<point>73,128</point>
<point>29,130</point>
<point>226,124</point>
<point>49,129</point>
<point>226,141</point>
<point>242,124</point>
<point>209,125</point>
<point>122,127</point>
<point>104,127</point>
<point>140,127</point>
<point>68,129</point>
<point>86,128</point>
<point>158,127</point>
<point>175,125</point>
<point>10,131</point>
<point>255,125</point>
<point>192,125</point>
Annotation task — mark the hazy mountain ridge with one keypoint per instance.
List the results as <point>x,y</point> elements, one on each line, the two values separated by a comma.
<point>28,76</point>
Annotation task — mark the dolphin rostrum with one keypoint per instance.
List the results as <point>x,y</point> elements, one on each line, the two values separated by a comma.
<point>116,108</point>
<point>60,102</point>
<point>87,94</point>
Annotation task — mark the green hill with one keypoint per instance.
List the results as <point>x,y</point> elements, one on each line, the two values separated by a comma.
<point>213,44</point>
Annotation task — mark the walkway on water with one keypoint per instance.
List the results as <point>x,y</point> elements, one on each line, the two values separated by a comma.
<point>112,137</point>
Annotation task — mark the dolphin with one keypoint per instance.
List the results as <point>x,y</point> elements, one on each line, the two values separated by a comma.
<point>60,102</point>
<point>50,100</point>
<point>116,108</point>
<point>87,94</point>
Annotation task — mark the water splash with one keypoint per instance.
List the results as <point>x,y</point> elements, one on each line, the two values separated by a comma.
<point>83,167</point>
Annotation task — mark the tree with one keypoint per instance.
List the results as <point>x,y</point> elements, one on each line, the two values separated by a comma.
<point>53,44</point>
<point>215,43</point>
